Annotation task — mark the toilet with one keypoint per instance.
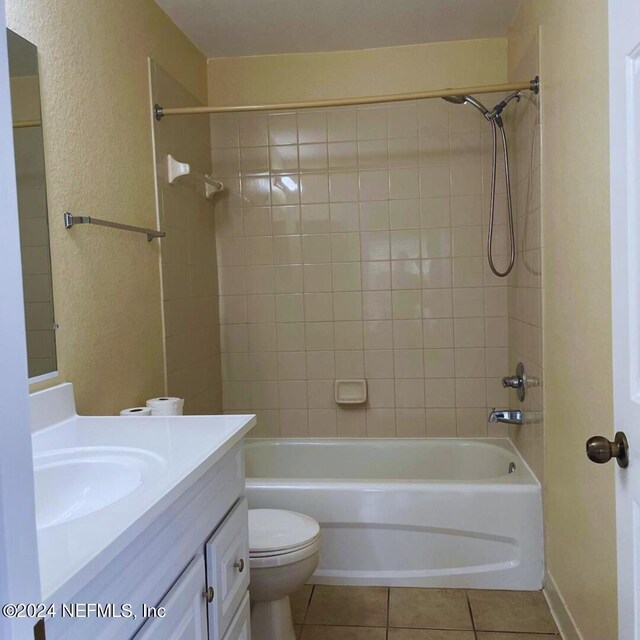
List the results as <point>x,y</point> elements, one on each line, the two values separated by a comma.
<point>283,551</point>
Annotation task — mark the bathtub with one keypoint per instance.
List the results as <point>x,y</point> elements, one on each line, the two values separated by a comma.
<point>425,512</point>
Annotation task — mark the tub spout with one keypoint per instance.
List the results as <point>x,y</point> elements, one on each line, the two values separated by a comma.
<point>505,415</point>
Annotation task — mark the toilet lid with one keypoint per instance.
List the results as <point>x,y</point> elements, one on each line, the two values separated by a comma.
<point>273,530</point>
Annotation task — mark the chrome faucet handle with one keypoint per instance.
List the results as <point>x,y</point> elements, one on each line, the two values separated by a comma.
<point>512,382</point>
<point>517,382</point>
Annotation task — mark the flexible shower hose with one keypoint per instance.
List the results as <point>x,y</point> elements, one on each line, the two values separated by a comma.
<point>492,204</point>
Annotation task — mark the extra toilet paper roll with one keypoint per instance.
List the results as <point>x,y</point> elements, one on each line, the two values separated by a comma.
<point>165,406</point>
<point>136,411</point>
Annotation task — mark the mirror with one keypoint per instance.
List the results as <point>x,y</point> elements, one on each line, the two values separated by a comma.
<point>32,207</point>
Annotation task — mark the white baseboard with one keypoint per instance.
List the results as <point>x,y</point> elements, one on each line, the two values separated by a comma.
<point>559,610</point>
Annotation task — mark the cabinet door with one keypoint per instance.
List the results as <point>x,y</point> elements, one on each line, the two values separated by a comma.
<point>227,554</point>
<point>240,627</point>
<point>185,608</point>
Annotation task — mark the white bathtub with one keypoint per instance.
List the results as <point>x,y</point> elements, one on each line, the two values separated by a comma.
<point>408,512</point>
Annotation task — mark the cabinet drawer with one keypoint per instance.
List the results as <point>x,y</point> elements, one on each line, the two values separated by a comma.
<point>227,553</point>
<point>185,608</point>
<point>240,627</point>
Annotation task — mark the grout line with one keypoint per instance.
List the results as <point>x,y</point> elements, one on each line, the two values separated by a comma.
<point>425,629</point>
<point>388,610</point>
<point>473,622</point>
<point>308,606</point>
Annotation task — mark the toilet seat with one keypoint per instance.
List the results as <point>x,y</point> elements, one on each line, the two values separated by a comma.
<point>278,537</point>
<point>274,531</point>
<point>282,559</point>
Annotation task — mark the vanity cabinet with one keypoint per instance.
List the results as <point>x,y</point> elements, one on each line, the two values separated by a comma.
<point>183,609</point>
<point>222,583</point>
<point>199,541</point>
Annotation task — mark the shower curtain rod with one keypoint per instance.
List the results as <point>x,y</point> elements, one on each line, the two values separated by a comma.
<point>531,85</point>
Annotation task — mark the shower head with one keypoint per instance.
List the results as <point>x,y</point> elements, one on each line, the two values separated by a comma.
<point>499,108</point>
<point>456,99</point>
<point>469,100</point>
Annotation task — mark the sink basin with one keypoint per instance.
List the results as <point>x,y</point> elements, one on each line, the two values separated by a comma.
<point>72,483</point>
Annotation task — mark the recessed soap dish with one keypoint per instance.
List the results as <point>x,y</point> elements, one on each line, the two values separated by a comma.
<point>351,391</point>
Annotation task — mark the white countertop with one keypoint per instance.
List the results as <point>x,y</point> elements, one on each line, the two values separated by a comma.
<point>74,552</point>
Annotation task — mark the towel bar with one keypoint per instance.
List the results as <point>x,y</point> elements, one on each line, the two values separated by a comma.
<point>71,220</point>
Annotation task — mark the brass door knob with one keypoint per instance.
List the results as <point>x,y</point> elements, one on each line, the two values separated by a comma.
<point>239,565</point>
<point>600,450</point>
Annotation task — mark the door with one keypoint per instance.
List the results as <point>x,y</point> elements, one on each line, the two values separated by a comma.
<point>182,614</point>
<point>227,554</point>
<point>240,627</point>
<point>19,574</point>
<point>624,100</point>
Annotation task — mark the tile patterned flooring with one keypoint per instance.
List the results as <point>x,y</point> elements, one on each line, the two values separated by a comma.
<point>379,613</point>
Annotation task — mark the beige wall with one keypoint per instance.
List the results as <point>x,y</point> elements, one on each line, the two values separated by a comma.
<point>579,496</point>
<point>188,254</point>
<point>311,76</point>
<point>97,130</point>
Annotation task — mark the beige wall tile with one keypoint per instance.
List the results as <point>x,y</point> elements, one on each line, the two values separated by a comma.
<point>293,423</point>
<point>378,364</point>
<point>404,214</point>
<point>410,423</point>
<point>323,423</point>
<point>319,335</point>
<point>342,124</point>
<point>351,422</point>
<point>320,365</point>
<point>374,216</point>
<point>381,393</point>
<point>440,393</point>
<point>439,363</point>
<point>381,423</point>
<point>349,364</point>
<point>344,217</point>
<point>441,423</point>
<point>320,394</point>
<point>348,335</point>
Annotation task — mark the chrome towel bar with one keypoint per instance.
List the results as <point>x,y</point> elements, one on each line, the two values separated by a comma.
<point>71,220</point>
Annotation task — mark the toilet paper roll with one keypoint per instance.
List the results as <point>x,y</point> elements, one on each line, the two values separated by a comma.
<point>165,406</point>
<point>136,411</point>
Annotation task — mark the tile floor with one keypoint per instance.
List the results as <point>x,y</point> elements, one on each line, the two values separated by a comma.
<point>379,613</point>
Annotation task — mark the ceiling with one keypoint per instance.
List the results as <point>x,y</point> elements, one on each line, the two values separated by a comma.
<point>222,28</point>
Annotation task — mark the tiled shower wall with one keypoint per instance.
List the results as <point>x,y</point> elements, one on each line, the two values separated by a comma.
<point>350,244</point>
<point>525,284</point>
<point>187,256</point>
